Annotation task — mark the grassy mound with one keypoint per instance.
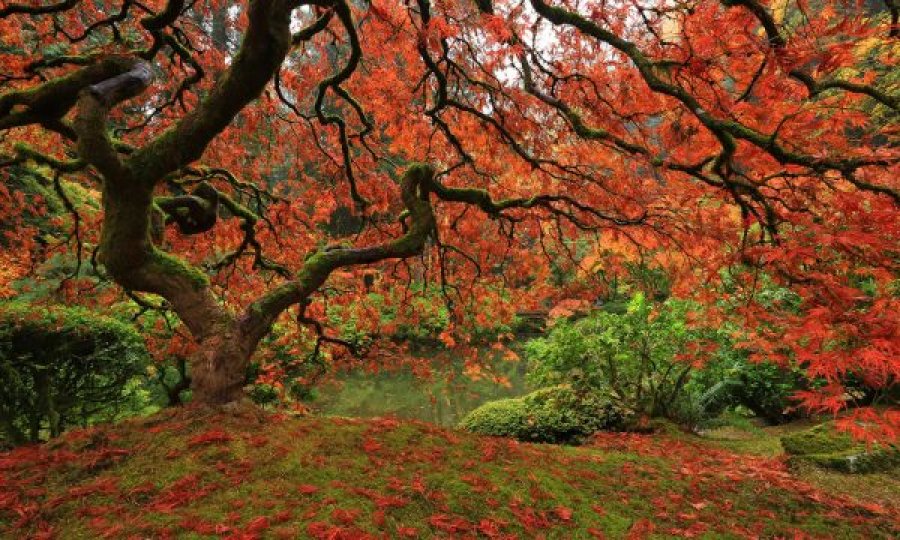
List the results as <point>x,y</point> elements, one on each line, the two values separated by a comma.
<point>189,474</point>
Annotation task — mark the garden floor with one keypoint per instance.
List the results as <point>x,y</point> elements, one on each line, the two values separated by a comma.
<point>195,474</point>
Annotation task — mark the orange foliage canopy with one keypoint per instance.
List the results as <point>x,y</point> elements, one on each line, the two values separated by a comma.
<point>731,137</point>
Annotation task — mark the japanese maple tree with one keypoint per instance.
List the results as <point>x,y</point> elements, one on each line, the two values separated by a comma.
<point>472,140</point>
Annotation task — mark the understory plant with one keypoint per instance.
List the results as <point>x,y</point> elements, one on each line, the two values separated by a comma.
<point>634,357</point>
<point>557,414</point>
<point>64,367</point>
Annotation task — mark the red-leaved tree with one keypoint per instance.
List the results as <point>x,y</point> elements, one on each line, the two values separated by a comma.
<point>466,142</point>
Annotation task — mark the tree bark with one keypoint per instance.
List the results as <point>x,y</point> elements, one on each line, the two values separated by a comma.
<point>219,368</point>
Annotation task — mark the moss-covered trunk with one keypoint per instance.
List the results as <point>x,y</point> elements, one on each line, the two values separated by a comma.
<point>131,176</point>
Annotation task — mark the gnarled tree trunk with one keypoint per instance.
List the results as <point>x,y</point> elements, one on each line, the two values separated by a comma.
<point>226,340</point>
<point>219,368</point>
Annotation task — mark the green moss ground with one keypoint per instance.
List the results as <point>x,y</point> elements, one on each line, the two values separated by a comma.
<point>190,474</point>
<point>881,488</point>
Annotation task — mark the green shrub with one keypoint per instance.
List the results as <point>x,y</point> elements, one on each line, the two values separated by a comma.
<point>65,366</point>
<point>826,447</point>
<point>263,394</point>
<point>501,418</point>
<point>630,356</point>
<point>730,380</point>
<point>286,369</point>
<point>554,415</point>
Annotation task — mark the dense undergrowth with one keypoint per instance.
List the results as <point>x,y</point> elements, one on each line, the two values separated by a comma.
<point>190,474</point>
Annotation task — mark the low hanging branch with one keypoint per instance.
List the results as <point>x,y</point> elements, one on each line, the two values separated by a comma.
<point>727,131</point>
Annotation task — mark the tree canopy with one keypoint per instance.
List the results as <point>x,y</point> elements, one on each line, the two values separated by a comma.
<point>470,145</point>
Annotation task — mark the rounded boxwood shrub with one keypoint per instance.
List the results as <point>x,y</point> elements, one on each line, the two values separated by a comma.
<point>826,447</point>
<point>554,415</point>
<point>501,418</point>
<point>64,366</point>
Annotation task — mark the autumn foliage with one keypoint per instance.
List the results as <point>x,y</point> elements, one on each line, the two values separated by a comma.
<point>734,144</point>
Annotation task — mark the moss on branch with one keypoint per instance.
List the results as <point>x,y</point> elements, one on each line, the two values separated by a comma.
<point>56,97</point>
<point>266,43</point>
<point>168,264</point>
<point>415,186</point>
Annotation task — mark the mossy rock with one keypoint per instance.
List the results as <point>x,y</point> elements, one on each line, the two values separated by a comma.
<point>821,439</point>
<point>824,446</point>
